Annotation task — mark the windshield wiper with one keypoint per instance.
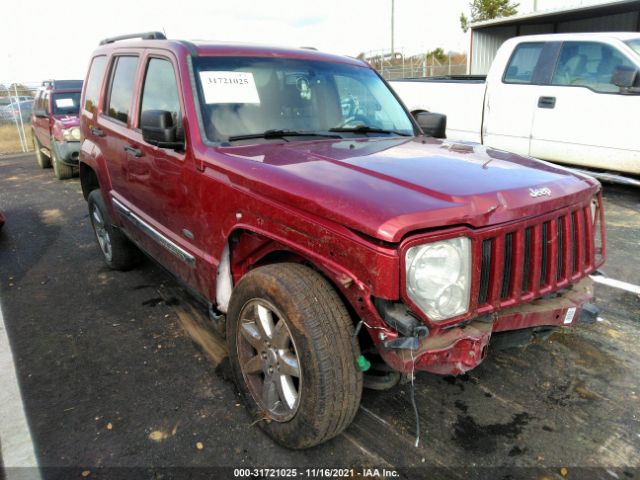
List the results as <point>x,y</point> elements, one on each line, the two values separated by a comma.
<point>368,129</point>
<point>280,134</point>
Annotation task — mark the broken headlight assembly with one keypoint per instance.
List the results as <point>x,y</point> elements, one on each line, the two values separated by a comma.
<point>438,277</point>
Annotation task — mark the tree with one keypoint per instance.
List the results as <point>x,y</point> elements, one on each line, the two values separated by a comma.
<point>486,10</point>
<point>437,54</point>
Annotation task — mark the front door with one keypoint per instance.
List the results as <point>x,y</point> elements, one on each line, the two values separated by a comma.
<point>158,179</point>
<point>582,118</point>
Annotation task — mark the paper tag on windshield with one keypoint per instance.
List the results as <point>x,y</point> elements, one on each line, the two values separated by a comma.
<point>64,102</point>
<point>229,87</point>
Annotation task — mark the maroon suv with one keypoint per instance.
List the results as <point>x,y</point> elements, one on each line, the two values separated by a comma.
<point>56,126</point>
<point>293,193</point>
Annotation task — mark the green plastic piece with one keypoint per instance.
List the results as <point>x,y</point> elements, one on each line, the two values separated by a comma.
<point>363,363</point>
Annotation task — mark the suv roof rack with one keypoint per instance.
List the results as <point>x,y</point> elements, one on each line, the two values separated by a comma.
<point>141,36</point>
<point>62,84</point>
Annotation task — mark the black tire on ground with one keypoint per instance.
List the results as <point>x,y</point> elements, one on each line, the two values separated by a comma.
<point>117,250</point>
<point>43,160</point>
<point>60,170</point>
<point>302,305</point>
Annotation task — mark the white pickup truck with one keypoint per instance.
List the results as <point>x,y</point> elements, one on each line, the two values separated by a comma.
<point>568,98</point>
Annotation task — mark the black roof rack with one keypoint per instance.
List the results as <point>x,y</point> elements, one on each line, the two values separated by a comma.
<point>141,36</point>
<point>62,84</point>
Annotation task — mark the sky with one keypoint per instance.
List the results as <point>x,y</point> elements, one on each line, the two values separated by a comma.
<point>56,40</point>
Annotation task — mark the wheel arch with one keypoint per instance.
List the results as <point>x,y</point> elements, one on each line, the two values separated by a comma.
<point>247,249</point>
<point>88,180</point>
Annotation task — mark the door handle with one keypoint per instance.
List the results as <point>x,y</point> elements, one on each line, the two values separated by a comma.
<point>136,152</point>
<point>97,132</point>
<point>546,102</point>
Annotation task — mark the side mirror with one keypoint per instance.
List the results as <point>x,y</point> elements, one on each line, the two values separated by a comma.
<point>159,129</point>
<point>40,113</point>
<point>432,124</point>
<point>624,77</point>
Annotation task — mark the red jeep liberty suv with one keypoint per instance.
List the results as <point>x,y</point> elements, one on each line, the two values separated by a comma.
<point>294,194</point>
<point>56,126</point>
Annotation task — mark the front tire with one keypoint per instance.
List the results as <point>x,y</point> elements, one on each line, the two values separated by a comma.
<point>117,250</point>
<point>41,158</point>
<point>60,170</point>
<point>290,349</point>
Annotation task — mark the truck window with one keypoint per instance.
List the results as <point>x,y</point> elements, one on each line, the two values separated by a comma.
<point>588,64</point>
<point>94,80</point>
<point>635,45</point>
<point>523,63</point>
<point>160,90</point>
<point>121,91</point>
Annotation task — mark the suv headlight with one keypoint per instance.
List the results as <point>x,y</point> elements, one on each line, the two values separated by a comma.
<point>438,277</point>
<point>71,134</point>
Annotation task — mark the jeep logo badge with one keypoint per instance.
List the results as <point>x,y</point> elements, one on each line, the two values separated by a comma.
<point>540,192</point>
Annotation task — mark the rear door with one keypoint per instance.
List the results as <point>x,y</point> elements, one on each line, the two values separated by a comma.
<point>114,122</point>
<point>509,102</point>
<point>583,118</point>
<point>42,124</point>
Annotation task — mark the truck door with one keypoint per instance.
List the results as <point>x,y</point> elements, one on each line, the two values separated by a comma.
<point>510,101</point>
<point>582,118</point>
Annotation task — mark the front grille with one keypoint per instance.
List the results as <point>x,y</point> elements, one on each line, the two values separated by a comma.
<point>533,259</point>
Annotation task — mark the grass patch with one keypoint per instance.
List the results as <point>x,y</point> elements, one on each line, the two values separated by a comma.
<point>10,141</point>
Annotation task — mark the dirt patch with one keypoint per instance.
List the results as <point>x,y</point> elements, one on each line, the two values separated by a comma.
<point>10,141</point>
<point>51,216</point>
<point>195,323</point>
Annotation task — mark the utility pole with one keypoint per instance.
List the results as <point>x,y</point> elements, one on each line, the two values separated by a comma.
<point>392,25</point>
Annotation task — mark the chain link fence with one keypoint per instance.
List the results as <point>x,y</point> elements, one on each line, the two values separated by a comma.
<point>16,104</point>
<point>397,65</point>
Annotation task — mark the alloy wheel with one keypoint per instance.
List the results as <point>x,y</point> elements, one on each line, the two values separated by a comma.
<point>269,360</point>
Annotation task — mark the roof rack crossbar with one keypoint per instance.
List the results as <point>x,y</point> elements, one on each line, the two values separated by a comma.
<point>142,36</point>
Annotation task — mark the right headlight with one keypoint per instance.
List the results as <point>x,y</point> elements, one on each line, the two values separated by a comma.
<point>438,277</point>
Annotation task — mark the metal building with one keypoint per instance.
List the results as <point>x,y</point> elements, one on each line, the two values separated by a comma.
<point>487,36</point>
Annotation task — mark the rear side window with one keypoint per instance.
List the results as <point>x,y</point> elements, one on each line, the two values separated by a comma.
<point>121,91</point>
<point>589,64</point>
<point>160,91</point>
<point>523,63</point>
<point>92,91</point>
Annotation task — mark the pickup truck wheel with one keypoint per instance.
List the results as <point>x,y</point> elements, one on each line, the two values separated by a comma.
<point>291,353</point>
<point>43,160</point>
<point>117,250</point>
<point>60,170</point>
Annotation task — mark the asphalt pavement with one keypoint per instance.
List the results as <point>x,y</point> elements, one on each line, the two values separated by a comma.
<point>120,376</point>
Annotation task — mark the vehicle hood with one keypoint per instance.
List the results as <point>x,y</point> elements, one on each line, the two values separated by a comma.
<point>389,187</point>
<point>67,121</point>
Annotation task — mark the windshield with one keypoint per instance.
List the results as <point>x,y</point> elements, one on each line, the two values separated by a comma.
<point>249,96</point>
<point>635,45</point>
<point>66,103</point>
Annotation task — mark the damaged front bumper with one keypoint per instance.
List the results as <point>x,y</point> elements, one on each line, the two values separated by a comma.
<point>455,350</point>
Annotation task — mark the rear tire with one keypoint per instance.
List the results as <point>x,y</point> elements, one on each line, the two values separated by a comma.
<point>60,170</point>
<point>117,250</point>
<point>42,159</point>
<point>300,379</point>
